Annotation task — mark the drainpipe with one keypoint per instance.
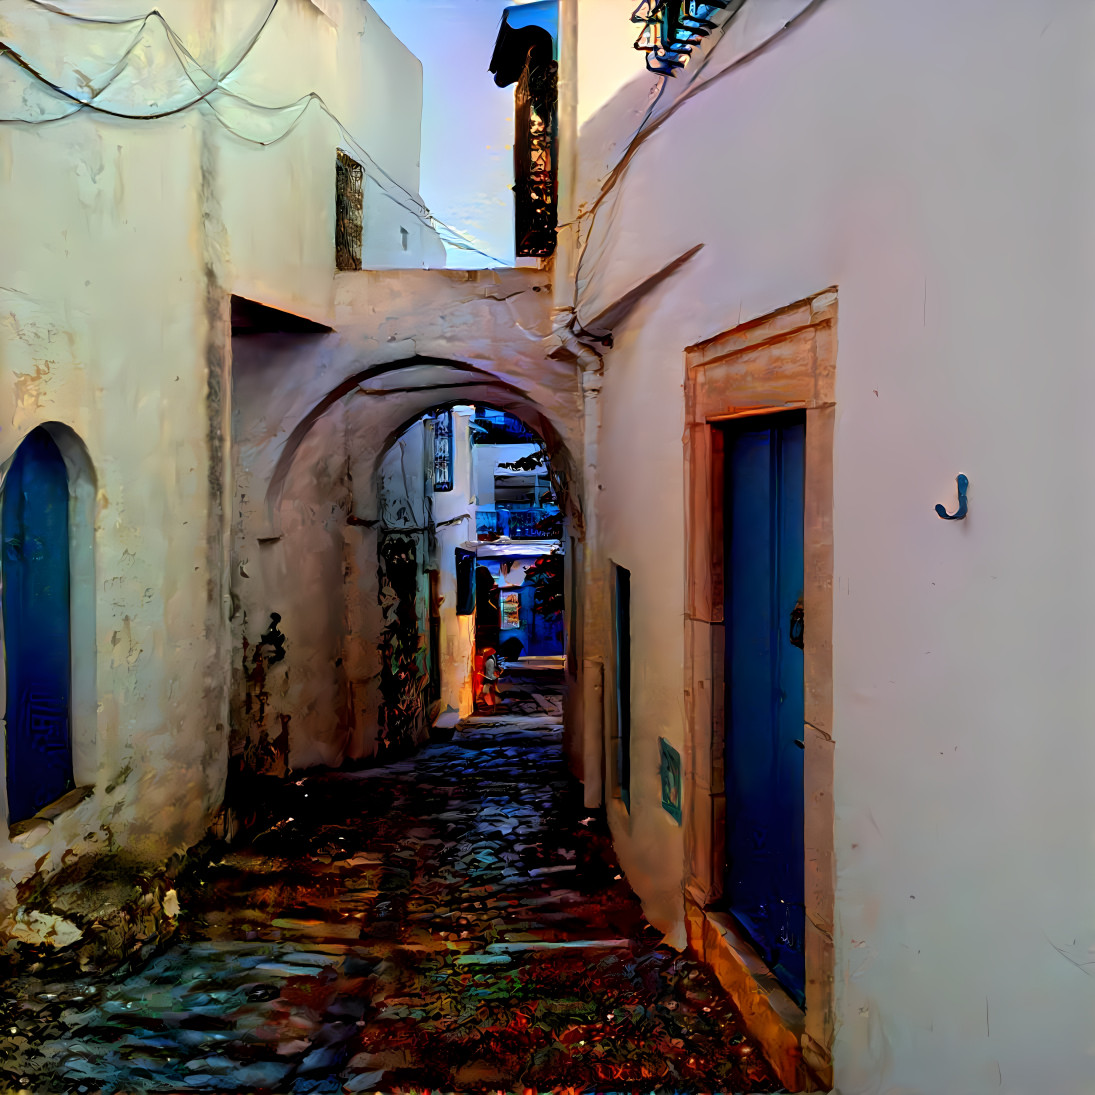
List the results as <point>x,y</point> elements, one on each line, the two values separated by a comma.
<point>593,636</point>
<point>566,113</point>
<point>595,615</point>
<point>570,345</point>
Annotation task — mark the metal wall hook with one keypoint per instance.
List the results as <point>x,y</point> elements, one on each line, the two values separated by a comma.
<point>960,513</point>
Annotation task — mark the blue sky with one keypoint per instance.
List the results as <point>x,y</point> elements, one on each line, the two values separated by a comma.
<point>467,123</point>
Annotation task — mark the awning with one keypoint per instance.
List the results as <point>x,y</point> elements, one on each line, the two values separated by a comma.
<point>524,26</point>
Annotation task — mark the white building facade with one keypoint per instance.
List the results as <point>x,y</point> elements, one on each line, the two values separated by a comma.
<point>873,219</point>
<point>850,236</point>
<point>167,179</point>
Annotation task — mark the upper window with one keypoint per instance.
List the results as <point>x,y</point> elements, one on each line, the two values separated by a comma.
<point>349,208</point>
<point>525,54</point>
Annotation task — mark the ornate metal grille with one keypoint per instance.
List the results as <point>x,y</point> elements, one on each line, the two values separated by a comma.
<point>534,158</point>
<point>673,28</point>
<point>442,451</point>
<point>349,210</point>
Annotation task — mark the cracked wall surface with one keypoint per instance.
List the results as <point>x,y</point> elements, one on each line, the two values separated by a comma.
<point>124,240</point>
<point>314,416</point>
<point>922,161</point>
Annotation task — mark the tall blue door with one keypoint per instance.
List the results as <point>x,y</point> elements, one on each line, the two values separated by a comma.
<point>764,476</point>
<point>36,626</point>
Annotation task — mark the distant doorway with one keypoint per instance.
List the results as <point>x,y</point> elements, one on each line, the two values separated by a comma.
<point>765,869</point>
<point>36,615</point>
<point>488,613</point>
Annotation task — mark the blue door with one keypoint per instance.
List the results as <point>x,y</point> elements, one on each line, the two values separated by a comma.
<point>764,476</point>
<point>36,626</point>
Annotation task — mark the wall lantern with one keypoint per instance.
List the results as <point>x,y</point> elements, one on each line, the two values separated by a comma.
<point>673,28</point>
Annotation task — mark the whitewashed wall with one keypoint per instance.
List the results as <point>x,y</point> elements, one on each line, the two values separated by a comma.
<point>122,242</point>
<point>934,162</point>
<point>454,514</point>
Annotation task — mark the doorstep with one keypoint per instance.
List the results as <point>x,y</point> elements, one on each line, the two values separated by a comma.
<point>770,1015</point>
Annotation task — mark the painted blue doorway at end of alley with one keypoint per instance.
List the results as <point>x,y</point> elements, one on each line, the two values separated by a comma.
<point>764,507</point>
<point>35,532</point>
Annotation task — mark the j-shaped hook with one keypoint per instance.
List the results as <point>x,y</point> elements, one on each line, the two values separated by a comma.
<point>960,513</point>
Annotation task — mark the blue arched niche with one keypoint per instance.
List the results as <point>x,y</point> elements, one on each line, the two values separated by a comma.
<point>36,615</point>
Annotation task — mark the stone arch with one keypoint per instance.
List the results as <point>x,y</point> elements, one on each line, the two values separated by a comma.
<point>474,383</point>
<point>310,517</point>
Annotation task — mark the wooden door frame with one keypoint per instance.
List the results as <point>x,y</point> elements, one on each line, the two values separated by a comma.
<point>782,361</point>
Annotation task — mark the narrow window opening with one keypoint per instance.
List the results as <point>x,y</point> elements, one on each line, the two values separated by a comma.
<point>349,211</point>
<point>525,54</point>
<point>623,681</point>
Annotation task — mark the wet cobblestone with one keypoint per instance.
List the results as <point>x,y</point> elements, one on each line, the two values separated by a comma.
<point>451,922</point>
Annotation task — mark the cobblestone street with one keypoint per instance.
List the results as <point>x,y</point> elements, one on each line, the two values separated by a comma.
<point>453,922</point>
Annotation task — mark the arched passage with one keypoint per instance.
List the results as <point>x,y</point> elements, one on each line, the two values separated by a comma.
<point>409,388</point>
<point>306,547</point>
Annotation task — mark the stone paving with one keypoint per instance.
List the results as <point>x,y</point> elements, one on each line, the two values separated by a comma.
<point>527,690</point>
<point>451,922</point>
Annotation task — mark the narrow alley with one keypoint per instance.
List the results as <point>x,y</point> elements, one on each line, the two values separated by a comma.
<point>454,921</point>
<point>545,547</point>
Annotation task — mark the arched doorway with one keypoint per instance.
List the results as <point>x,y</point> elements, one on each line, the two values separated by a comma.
<point>309,547</point>
<point>36,616</point>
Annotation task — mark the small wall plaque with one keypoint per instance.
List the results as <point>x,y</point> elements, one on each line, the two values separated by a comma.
<point>670,770</point>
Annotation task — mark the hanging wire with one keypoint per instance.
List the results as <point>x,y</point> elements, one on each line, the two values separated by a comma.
<point>119,65</point>
<point>645,130</point>
<point>411,203</point>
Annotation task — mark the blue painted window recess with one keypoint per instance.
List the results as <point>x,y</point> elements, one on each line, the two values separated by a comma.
<point>669,770</point>
<point>765,629</point>
<point>35,519</point>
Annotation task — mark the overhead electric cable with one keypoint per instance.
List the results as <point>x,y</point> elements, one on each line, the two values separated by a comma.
<point>417,208</point>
